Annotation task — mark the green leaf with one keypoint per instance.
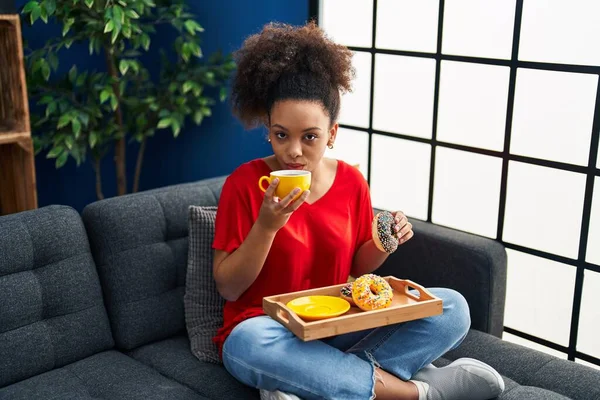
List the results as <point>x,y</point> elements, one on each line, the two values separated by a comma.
<point>68,24</point>
<point>123,66</point>
<point>109,27</point>
<point>104,95</point>
<point>119,16</point>
<point>132,14</point>
<point>223,94</point>
<point>198,116</point>
<point>44,14</point>
<point>30,6</point>
<point>63,121</point>
<point>145,42</point>
<point>62,159</point>
<point>141,121</point>
<point>50,109</point>
<point>206,111</point>
<point>46,100</point>
<point>114,36</point>
<point>126,31</point>
<point>84,118</point>
<point>89,3</point>
<point>187,86</point>
<point>45,69</point>
<point>113,102</point>
<point>73,74</point>
<point>134,65</point>
<point>190,25</point>
<point>163,123</point>
<point>81,80</point>
<point>50,6</point>
<point>55,152</point>
<point>53,61</point>
<point>69,142</point>
<point>76,125</point>
<point>175,127</point>
<point>93,139</point>
<point>195,49</point>
<point>36,12</point>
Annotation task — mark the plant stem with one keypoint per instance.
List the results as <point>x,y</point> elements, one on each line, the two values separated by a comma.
<point>99,193</point>
<point>138,165</point>
<point>120,155</point>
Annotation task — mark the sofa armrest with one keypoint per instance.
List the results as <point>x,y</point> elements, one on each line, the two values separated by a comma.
<point>472,265</point>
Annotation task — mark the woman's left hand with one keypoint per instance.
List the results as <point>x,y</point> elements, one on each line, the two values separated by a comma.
<point>403,228</point>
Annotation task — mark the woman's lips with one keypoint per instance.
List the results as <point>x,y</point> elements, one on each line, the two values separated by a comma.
<point>294,166</point>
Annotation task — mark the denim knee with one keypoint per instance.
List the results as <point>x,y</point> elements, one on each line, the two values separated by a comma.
<point>456,320</point>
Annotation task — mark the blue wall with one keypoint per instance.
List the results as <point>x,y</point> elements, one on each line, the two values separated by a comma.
<point>214,148</point>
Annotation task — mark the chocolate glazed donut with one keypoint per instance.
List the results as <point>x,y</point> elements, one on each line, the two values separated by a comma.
<point>383,232</point>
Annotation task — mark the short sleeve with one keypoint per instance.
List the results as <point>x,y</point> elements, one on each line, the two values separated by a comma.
<point>234,217</point>
<point>365,214</point>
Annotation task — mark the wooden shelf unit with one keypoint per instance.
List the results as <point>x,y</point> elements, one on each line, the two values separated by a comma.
<point>17,165</point>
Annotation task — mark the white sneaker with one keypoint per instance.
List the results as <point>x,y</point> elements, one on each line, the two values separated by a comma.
<point>465,378</point>
<point>277,395</point>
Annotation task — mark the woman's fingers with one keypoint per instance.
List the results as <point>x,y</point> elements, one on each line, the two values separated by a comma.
<point>271,189</point>
<point>406,237</point>
<point>287,200</point>
<point>404,231</point>
<point>296,204</point>
<point>401,221</point>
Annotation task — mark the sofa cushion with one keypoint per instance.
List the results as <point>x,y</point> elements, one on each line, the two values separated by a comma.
<point>514,390</point>
<point>140,244</point>
<point>203,303</point>
<point>107,375</point>
<point>530,367</point>
<point>51,306</point>
<point>172,358</point>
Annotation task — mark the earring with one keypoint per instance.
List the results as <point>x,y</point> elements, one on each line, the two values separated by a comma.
<point>330,145</point>
<point>269,140</point>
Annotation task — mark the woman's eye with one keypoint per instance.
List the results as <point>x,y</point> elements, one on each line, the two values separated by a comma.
<point>280,135</point>
<point>310,137</point>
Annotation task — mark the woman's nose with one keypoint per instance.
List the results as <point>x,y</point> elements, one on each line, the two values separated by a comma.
<point>295,150</point>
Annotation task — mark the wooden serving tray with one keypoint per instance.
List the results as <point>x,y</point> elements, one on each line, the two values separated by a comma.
<point>405,307</point>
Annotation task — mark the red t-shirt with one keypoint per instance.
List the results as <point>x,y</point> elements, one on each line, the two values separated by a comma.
<point>315,247</point>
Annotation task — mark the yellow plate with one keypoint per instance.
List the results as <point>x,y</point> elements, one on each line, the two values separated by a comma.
<point>312,308</point>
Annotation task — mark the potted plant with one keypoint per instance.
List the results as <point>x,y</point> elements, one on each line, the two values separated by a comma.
<point>85,113</point>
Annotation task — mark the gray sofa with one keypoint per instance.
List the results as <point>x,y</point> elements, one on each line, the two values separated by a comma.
<point>91,306</point>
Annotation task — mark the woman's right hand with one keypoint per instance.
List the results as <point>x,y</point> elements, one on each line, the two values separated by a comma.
<point>274,214</point>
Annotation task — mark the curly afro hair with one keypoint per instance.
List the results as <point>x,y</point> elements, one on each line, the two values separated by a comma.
<point>285,62</point>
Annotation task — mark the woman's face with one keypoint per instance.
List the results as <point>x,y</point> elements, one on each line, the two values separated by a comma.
<point>300,133</point>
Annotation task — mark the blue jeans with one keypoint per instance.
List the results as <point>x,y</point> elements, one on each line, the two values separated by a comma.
<point>262,353</point>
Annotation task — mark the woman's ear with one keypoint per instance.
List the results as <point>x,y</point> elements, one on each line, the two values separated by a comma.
<point>332,134</point>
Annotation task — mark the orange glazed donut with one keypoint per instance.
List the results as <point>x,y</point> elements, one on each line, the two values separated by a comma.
<point>372,292</point>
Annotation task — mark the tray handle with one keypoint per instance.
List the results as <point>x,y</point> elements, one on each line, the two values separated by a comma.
<point>282,314</point>
<point>407,285</point>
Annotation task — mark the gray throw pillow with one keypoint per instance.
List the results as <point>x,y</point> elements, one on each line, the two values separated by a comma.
<point>202,302</point>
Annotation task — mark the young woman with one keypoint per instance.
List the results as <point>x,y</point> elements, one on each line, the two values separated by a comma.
<point>289,80</point>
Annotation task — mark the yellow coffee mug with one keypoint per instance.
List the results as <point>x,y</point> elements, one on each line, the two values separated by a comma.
<point>289,179</point>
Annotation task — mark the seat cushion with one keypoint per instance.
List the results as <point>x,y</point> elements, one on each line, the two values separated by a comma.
<point>140,244</point>
<point>51,307</point>
<point>202,302</point>
<point>515,391</point>
<point>530,367</point>
<point>107,375</point>
<point>173,358</point>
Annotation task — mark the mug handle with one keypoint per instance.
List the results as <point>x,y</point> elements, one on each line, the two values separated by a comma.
<point>261,180</point>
